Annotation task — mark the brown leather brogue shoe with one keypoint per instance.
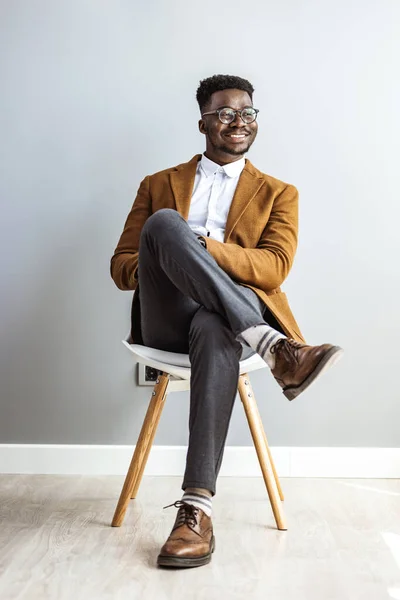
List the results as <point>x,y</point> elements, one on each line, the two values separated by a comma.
<point>191,541</point>
<point>298,365</point>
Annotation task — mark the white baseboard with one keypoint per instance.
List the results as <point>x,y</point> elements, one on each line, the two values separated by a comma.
<point>238,461</point>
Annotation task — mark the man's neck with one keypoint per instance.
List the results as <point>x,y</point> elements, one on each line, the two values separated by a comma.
<point>223,159</point>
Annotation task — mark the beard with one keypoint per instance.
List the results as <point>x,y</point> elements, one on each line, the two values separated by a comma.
<point>232,151</point>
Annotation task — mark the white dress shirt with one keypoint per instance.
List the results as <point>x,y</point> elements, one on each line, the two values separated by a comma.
<point>214,187</point>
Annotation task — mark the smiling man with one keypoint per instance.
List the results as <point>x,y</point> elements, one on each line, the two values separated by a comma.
<point>209,243</point>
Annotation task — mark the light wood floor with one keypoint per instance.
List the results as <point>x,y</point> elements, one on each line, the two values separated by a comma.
<point>56,542</point>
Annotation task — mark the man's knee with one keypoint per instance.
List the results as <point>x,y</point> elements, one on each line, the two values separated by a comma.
<point>161,219</point>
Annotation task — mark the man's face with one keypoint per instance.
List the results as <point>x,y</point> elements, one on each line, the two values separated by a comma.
<point>227,142</point>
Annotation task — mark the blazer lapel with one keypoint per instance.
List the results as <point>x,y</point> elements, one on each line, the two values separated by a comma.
<point>182,182</point>
<point>248,185</point>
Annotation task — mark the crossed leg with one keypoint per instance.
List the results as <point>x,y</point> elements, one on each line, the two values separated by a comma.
<point>190,305</point>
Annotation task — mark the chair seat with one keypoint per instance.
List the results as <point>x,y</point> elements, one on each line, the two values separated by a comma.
<point>179,364</point>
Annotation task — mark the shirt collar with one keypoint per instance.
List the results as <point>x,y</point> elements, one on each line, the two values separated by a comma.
<point>232,169</point>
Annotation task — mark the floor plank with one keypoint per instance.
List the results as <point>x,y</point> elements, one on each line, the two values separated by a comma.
<point>56,542</point>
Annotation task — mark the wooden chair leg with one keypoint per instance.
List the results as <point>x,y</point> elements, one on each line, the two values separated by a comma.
<point>262,449</point>
<point>278,483</point>
<point>142,450</point>
<point>143,459</point>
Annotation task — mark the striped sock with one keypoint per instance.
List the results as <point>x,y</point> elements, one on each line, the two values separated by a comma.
<point>261,338</point>
<point>198,499</point>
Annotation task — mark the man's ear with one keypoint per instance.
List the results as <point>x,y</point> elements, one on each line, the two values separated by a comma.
<point>202,126</point>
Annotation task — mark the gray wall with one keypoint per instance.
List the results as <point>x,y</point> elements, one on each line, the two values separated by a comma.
<point>94,96</point>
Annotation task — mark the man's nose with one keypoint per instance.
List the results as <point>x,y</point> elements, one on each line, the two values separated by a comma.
<point>237,121</point>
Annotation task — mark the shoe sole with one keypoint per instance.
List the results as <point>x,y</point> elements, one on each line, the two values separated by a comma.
<point>182,561</point>
<point>327,361</point>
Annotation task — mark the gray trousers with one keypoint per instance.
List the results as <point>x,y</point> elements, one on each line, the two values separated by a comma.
<point>190,305</point>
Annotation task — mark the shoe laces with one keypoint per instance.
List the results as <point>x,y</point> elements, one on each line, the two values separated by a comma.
<point>289,347</point>
<point>187,513</point>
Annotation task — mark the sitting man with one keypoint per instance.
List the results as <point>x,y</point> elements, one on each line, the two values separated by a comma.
<point>209,242</point>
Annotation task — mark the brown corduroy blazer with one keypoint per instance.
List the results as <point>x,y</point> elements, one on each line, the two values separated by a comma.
<point>260,236</point>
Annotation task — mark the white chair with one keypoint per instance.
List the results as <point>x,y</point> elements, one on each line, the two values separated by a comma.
<point>175,377</point>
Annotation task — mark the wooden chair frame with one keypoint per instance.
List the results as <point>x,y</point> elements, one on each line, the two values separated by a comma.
<point>166,383</point>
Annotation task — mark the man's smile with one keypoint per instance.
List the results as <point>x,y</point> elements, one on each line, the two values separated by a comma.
<point>236,137</point>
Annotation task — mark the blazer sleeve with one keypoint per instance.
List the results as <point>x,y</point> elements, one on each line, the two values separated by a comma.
<point>124,263</point>
<point>266,266</point>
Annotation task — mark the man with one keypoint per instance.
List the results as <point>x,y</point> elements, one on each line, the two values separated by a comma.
<point>209,242</point>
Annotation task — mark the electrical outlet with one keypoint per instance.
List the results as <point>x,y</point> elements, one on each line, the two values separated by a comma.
<point>147,375</point>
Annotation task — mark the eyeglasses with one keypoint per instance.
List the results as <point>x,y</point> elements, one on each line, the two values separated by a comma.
<point>228,115</point>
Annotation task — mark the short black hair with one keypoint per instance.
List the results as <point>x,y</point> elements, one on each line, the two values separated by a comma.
<point>217,83</point>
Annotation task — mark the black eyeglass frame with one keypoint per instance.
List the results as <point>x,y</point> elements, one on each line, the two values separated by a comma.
<point>216,112</point>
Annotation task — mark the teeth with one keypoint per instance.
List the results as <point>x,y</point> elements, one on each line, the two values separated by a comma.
<point>237,136</point>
